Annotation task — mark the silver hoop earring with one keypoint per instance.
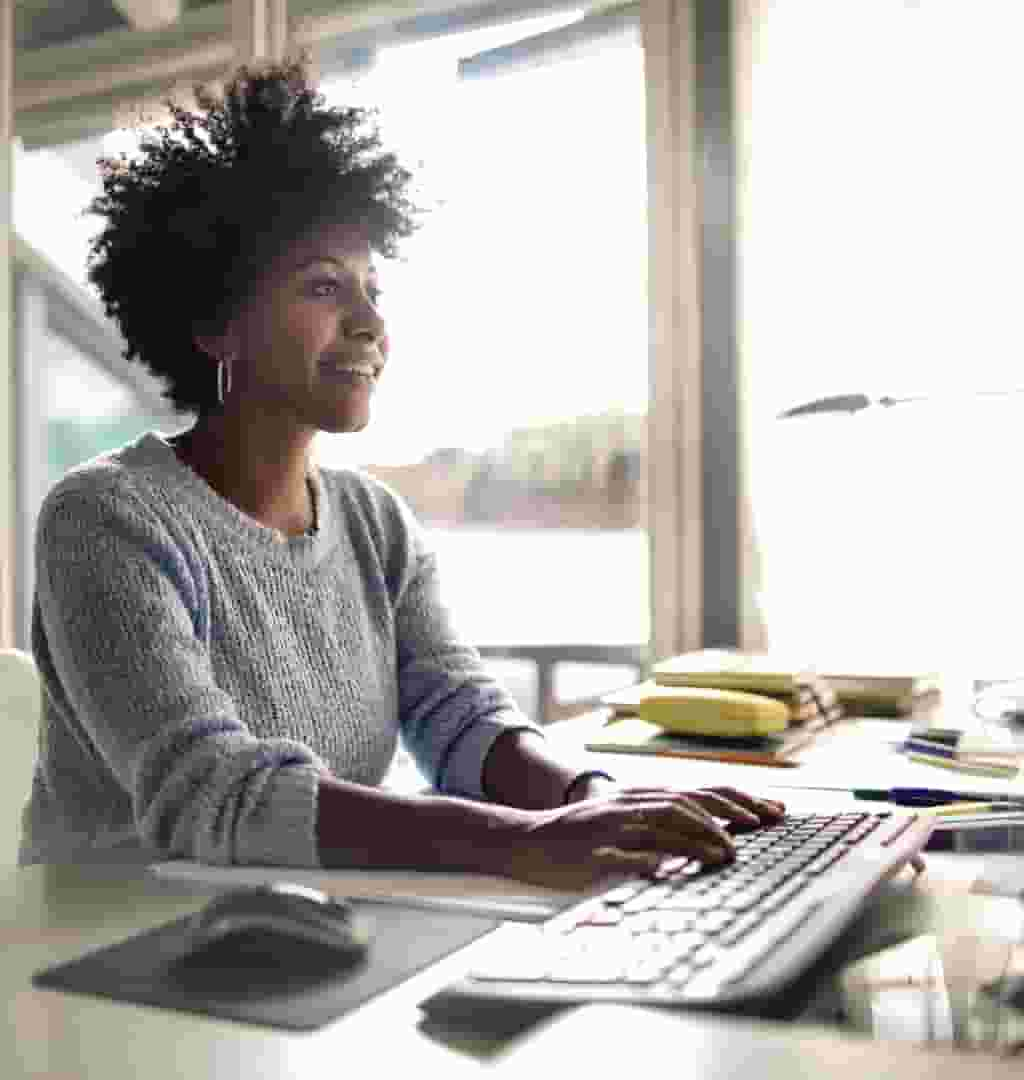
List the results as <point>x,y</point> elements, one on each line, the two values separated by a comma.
<point>223,378</point>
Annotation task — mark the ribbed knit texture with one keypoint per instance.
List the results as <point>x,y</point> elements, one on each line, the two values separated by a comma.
<point>201,673</point>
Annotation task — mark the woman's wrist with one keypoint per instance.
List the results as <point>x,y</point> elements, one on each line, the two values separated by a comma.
<point>588,785</point>
<point>521,770</point>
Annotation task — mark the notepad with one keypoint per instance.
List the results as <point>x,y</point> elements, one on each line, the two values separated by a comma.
<point>631,735</point>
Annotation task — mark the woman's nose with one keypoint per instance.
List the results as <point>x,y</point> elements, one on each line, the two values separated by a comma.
<point>366,324</point>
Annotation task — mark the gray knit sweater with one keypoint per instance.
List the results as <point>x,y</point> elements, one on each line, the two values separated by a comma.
<point>201,673</point>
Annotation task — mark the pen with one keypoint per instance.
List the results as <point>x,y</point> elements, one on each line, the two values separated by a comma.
<point>908,796</point>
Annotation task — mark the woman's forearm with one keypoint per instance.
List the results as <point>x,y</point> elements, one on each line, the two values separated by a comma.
<point>371,827</point>
<point>374,828</point>
<point>520,770</point>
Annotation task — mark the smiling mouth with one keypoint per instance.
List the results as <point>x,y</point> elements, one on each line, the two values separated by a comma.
<point>352,372</point>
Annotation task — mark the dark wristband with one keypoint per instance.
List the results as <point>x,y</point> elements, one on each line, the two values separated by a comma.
<point>579,779</point>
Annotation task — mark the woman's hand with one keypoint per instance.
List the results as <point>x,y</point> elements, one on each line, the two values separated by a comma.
<point>630,830</point>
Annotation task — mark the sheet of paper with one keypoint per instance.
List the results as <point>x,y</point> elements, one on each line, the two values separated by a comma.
<point>480,893</point>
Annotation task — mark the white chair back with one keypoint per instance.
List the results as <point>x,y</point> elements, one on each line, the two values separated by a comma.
<point>20,707</point>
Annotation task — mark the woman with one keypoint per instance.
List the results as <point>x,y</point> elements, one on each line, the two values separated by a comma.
<point>232,640</point>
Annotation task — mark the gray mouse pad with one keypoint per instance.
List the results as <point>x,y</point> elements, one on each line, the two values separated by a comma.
<point>261,979</point>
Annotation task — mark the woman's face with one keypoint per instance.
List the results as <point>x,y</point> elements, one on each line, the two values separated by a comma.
<point>309,345</point>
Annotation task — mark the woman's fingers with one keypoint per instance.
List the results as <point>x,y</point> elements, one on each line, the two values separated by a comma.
<point>724,807</point>
<point>616,860</point>
<point>770,809</point>
<point>671,828</point>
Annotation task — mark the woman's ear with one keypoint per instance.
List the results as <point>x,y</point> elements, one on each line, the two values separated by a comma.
<point>208,344</point>
<point>215,344</point>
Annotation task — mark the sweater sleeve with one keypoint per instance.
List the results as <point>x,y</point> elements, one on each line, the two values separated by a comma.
<point>451,708</point>
<point>125,608</point>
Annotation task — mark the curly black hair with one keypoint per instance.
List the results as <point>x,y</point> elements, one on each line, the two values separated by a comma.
<point>194,219</point>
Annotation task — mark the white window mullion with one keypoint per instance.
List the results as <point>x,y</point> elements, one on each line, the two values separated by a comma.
<point>259,29</point>
<point>150,14</point>
<point>675,423</point>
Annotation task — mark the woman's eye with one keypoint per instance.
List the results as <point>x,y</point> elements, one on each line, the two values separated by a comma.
<point>324,287</point>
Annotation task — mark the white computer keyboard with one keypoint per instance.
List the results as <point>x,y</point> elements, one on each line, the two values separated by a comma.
<point>696,934</point>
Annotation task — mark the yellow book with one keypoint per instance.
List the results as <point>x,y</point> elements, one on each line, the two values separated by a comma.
<point>702,710</point>
<point>626,701</point>
<point>728,669</point>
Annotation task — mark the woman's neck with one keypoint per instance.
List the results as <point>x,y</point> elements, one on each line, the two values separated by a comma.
<point>265,476</point>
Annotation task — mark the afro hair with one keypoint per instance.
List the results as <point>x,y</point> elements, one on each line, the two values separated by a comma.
<point>194,218</point>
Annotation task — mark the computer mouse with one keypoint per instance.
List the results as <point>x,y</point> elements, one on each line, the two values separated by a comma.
<point>281,913</point>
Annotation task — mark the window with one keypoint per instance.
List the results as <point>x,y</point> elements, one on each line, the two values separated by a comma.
<point>512,415</point>
<point>882,226</point>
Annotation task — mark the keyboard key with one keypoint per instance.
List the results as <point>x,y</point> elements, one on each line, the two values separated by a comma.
<point>775,900</point>
<point>642,922</point>
<point>669,869</point>
<point>710,922</point>
<point>680,975</point>
<point>705,956</point>
<point>687,942</point>
<point>646,972</point>
<point>741,928</point>
<point>604,916</point>
<point>647,899</point>
<point>673,922</point>
<point>621,893</point>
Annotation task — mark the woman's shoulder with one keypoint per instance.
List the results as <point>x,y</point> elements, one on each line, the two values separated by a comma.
<point>369,504</point>
<point>113,479</point>
<point>354,484</point>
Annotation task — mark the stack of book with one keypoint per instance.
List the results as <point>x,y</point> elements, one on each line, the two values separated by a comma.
<point>965,752</point>
<point>811,702</point>
<point>809,696</point>
<point>884,693</point>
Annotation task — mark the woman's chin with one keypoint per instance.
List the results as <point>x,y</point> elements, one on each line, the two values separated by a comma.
<point>348,422</point>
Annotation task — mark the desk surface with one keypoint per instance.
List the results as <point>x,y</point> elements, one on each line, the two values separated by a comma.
<point>50,914</point>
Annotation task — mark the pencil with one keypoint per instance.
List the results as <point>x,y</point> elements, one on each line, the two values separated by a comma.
<point>965,808</point>
<point>959,766</point>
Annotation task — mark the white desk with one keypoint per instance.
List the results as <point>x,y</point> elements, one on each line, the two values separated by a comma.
<point>52,914</point>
